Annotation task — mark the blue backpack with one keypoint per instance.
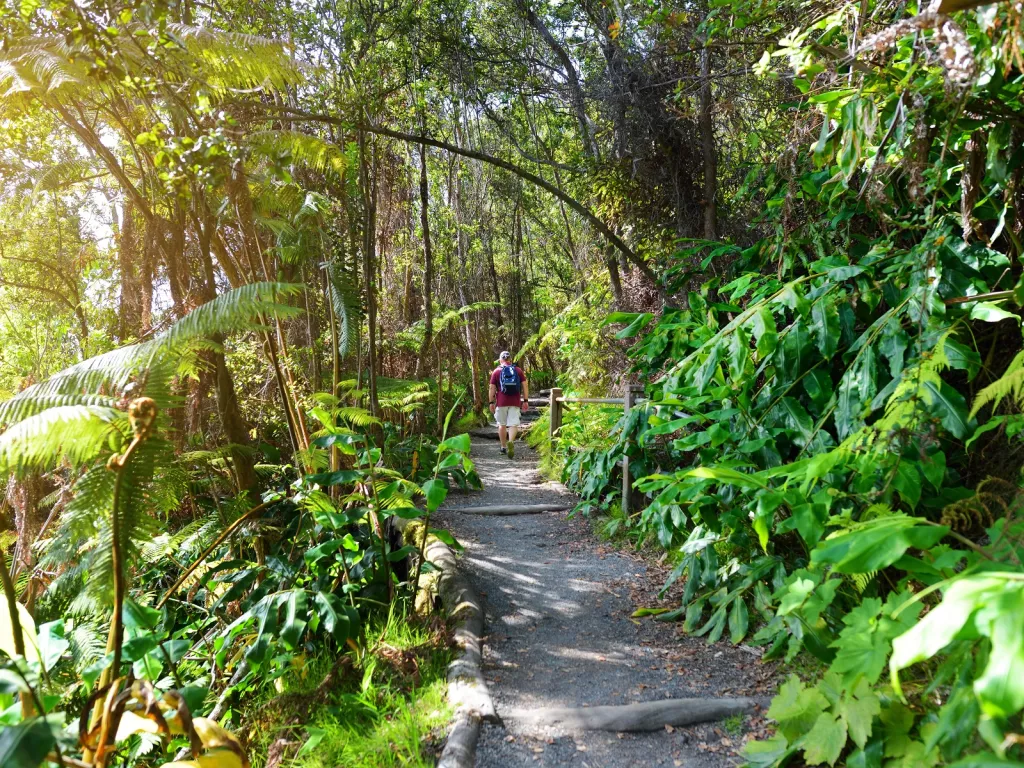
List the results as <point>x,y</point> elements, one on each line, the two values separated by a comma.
<point>508,379</point>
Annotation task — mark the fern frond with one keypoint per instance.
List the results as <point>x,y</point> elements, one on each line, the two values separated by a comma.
<point>301,149</point>
<point>346,302</point>
<point>357,417</point>
<point>229,311</point>
<point>65,174</point>
<point>231,60</point>
<point>18,408</point>
<point>452,316</point>
<point>1010,384</point>
<point>78,433</point>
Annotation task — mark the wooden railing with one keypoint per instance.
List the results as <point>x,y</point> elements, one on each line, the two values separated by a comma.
<point>634,395</point>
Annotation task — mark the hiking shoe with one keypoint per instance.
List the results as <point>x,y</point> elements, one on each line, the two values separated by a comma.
<point>511,450</point>
<point>502,449</point>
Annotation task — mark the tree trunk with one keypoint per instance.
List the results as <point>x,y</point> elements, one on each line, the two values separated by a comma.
<point>368,183</point>
<point>572,78</point>
<point>428,267</point>
<point>24,496</point>
<point>707,144</point>
<point>235,430</point>
<point>130,305</point>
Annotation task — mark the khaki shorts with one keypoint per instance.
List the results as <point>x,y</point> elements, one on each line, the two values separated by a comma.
<point>507,415</point>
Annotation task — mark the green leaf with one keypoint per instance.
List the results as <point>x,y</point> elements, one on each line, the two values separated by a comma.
<point>991,313</point>
<point>634,328</point>
<point>877,543</point>
<point>315,736</point>
<point>447,538</point>
<point>949,405</point>
<point>765,332</point>
<point>331,610</point>
<point>769,753</point>
<point>460,443</point>
<point>296,613</point>
<point>327,548</point>
<point>52,642</point>
<point>986,760</point>
<point>858,708</point>
<point>26,744</point>
<point>341,477</point>
<point>796,708</point>
<point>402,553</point>
<point>825,324</point>
<point>767,503</point>
<point>707,370</point>
<point>1000,688</point>
<point>933,467</point>
<point>825,741</point>
<point>797,420</point>
<point>724,475</point>
<point>738,621</point>
<point>907,481</point>
<point>944,623</point>
<point>435,492</point>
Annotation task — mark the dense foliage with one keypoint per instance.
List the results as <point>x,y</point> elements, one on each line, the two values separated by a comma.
<point>257,259</point>
<point>831,445</point>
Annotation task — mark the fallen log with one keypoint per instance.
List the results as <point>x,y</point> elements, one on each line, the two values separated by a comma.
<point>513,509</point>
<point>645,716</point>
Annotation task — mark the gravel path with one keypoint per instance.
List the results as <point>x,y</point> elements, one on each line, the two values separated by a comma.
<point>559,633</point>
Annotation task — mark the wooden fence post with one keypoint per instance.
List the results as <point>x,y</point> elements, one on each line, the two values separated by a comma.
<point>555,415</point>
<point>633,393</point>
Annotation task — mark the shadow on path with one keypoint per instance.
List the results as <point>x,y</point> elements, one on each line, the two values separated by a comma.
<point>560,632</point>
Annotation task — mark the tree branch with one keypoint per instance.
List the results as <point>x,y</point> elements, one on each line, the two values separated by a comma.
<point>582,210</point>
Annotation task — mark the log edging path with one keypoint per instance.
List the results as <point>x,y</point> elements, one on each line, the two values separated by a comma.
<point>562,661</point>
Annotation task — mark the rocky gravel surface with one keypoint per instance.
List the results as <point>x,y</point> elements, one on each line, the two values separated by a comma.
<point>560,632</point>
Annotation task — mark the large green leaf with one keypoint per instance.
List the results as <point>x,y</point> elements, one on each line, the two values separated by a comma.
<point>877,543</point>
<point>296,615</point>
<point>26,744</point>
<point>986,604</point>
<point>331,610</point>
<point>825,741</point>
<point>435,492</point>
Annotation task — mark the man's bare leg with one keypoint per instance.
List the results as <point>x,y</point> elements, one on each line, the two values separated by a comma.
<point>501,435</point>
<point>512,434</point>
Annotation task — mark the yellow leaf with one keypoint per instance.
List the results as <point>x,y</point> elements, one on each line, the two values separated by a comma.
<point>28,631</point>
<point>132,723</point>
<point>614,29</point>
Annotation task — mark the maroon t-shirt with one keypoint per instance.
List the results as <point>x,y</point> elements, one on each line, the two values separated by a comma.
<point>501,398</point>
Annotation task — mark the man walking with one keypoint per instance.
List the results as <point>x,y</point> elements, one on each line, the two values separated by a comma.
<point>508,391</point>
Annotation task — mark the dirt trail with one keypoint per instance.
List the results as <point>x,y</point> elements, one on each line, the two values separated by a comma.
<point>559,633</point>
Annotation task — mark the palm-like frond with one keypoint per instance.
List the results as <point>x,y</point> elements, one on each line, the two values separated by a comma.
<point>347,304</point>
<point>16,408</point>
<point>357,417</point>
<point>63,174</point>
<point>78,433</point>
<point>446,319</point>
<point>231,60</point>
<point>229,312</point>
<point>300,148</point>
<point>1010,384</point>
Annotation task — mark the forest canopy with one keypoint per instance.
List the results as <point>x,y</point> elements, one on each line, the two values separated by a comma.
<point>258,260</point>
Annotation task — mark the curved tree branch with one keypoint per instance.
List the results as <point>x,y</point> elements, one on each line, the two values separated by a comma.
<point>582,210</point>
